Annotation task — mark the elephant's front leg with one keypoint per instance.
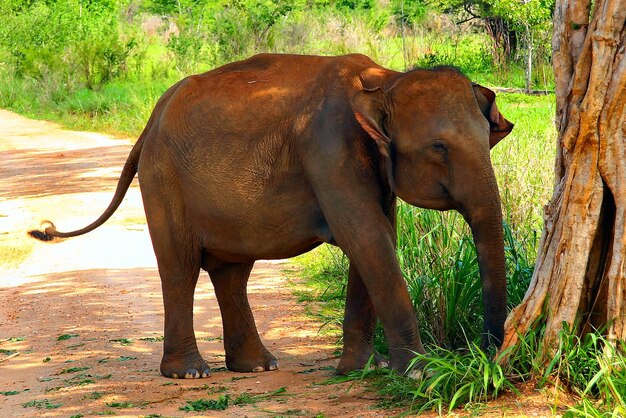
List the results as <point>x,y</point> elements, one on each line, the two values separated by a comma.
<point>244,350</point>
<point>368,240</point>
<point>359,325</point>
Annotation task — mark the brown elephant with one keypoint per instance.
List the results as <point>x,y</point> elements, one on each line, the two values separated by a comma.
<point>269,157</point>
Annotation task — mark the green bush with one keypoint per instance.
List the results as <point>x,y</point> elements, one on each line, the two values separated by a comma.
<point>67,41</point>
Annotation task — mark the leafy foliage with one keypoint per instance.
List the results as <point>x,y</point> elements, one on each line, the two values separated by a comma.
<point>203,404</point>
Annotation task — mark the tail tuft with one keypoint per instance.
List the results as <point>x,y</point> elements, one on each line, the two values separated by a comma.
<point>45,233</point>
<point>41,236</point>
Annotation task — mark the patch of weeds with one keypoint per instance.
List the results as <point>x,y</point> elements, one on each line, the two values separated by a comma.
<point>74,370</point>
<point>69,361</point>
<point>94,395</point>
<point>200,405</point>
<point>84,379</point>
<point>42,404</point>
<point>247,399</point>
<point>64,337</point>
<point>109,412</point>
<point>103,360</point>
<point>72,347</point>
<point>16,339</point>
<point>47,359</point>
<point>125,358</point>
<point>218,338</point>
<point>12,392</point>
<point>7,352</point>
<point>152,339</point>
<point>203,387</point>
<point>53,389</point>
<point>169,384</point>
<point>120,405</point>
<point>219,369</point>
<point>77,416</point>
<point>153,416</point>
<point>123,341</point>
<point>234,379</point>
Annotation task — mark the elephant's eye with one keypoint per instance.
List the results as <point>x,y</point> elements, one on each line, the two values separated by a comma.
<point>440,146</point>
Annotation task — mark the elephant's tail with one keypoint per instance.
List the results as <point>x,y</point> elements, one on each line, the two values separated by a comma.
<point>49,231</point>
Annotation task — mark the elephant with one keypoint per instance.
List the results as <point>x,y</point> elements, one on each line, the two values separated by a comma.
<point>271,156</point>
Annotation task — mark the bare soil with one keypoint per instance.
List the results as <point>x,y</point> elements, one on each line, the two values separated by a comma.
<point>102,291</point>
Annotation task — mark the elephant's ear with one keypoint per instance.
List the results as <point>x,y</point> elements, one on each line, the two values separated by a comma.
<point>367,106</point>
<point>499,126</point>
<point>368,109</point>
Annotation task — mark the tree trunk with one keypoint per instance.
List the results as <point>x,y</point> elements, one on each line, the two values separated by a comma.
<point>581,266</point>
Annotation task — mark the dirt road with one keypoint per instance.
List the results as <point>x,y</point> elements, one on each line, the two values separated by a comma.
<point>81,319</point>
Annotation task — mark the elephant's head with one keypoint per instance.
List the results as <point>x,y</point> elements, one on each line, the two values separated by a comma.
<point>434,128</point>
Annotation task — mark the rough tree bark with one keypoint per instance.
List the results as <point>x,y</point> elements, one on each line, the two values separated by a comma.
<point>581,266</point>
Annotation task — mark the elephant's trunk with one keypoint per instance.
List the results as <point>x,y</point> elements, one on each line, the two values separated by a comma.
<point>484,215</point>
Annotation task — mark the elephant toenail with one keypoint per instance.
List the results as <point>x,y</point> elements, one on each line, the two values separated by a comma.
<point>416,374</point>
<point>206,373</point>
<point>192,374</point>
<point>259,369</point>
<point>175,375</point>
<point>383,364</point>
<point>273,367</point>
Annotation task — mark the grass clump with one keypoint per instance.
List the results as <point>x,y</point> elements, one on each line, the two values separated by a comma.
<point>42,404</point>
<point>446,379</point>
<point>123,341</point>
<point>589,367</point>
<point>74,370</point>
<point>120,405</point>
<point>247,399</point>
<point>204,404</point>
<point>64,337</point>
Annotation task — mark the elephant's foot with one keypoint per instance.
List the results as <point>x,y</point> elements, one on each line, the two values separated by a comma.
<point>189,367</point>
<point>402,361</point>
<point>259,360</point>
<point>356,360</point>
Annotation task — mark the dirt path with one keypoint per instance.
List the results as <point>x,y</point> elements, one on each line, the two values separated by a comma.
<point>101,292</point>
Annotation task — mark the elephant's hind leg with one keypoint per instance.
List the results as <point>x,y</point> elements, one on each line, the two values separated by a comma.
<point>178,258</point>
<point>244,350</point>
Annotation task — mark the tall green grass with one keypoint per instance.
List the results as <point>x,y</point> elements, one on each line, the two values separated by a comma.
<point>591,368</point>
<point>96,66</point>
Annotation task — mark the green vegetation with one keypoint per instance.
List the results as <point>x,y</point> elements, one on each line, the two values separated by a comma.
<point>102,65</point>
<point>11,392</point>
<point>203,404</point>
<point>247,399</point>
<point>42,404</point>
<point>223,401</point>
<point>122,341</point>
<point>74,370</point>
<point>152,339</point>
<point>16,339</point>
<point>589,368</point>
<point>121,405</point>
<point>64,337</point>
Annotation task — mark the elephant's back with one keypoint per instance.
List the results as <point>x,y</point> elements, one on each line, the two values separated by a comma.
<point>264,93</point>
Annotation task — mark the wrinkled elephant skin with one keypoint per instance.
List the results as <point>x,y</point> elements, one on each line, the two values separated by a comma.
<point>269,157</point>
